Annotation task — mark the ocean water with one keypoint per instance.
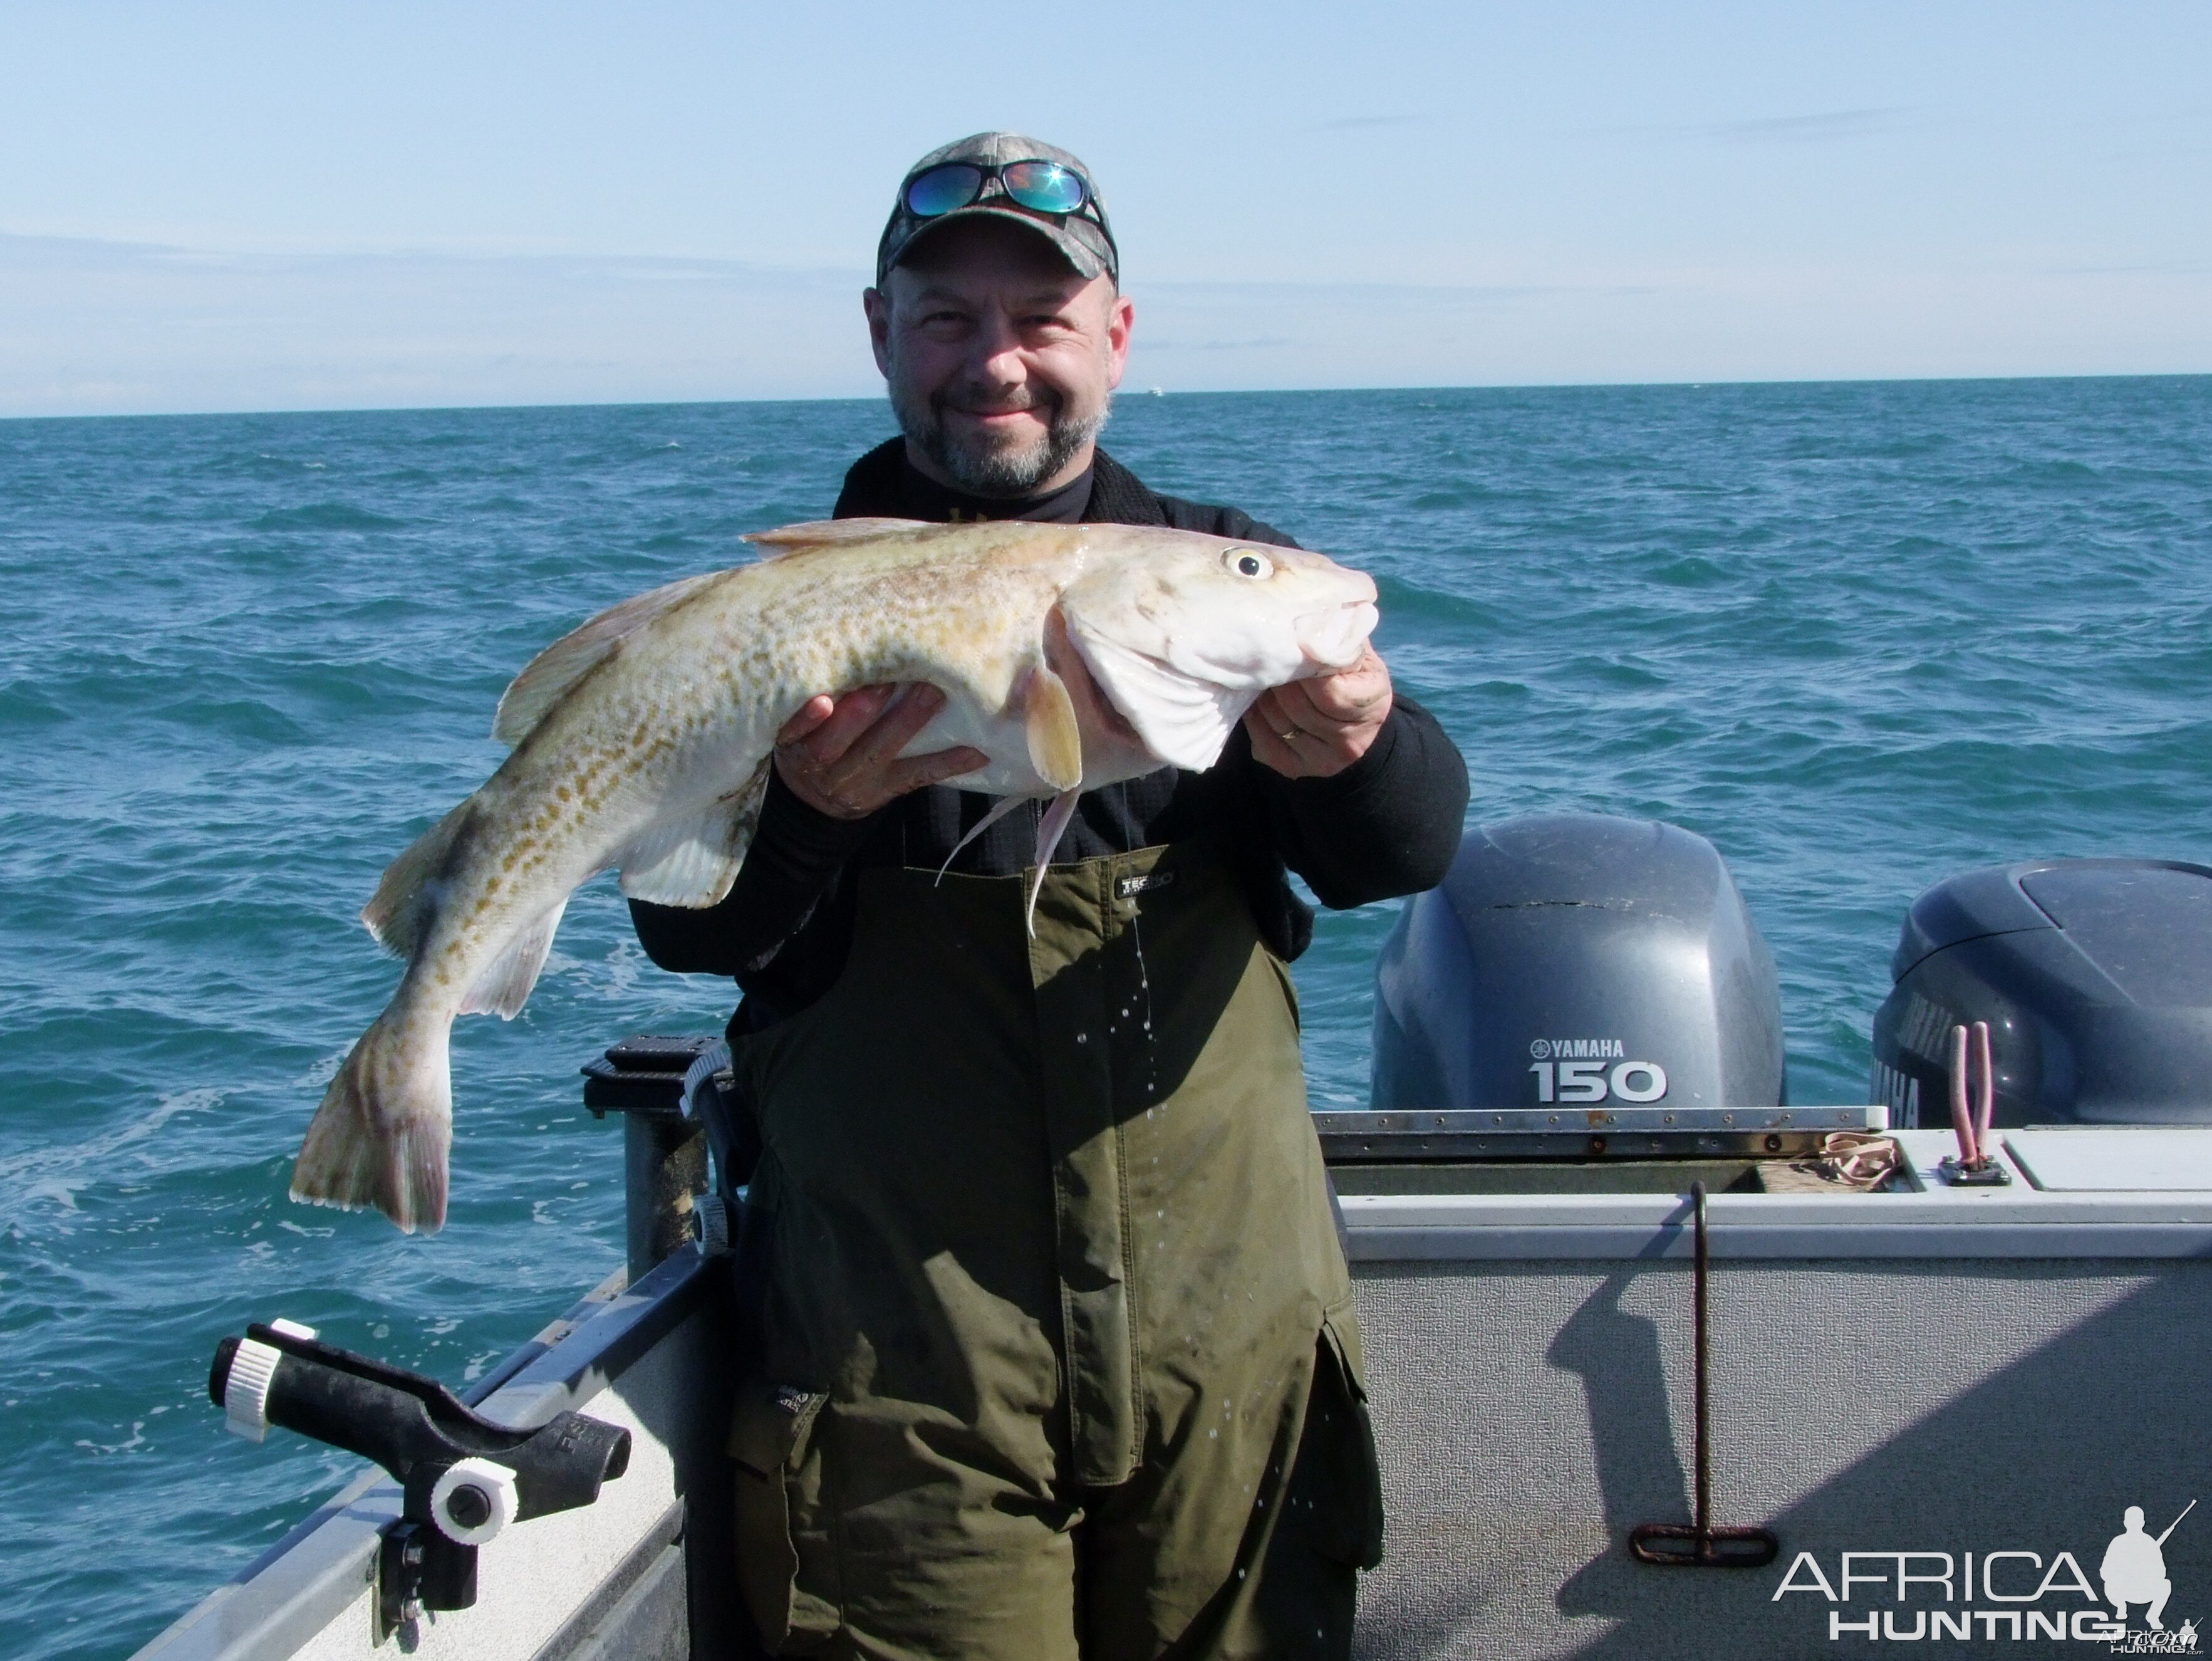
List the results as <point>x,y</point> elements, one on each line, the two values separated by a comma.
<point>1859,635</point>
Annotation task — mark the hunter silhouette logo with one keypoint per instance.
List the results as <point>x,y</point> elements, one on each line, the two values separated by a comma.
<point>2134,1571</point>
<point>2004,1596</point>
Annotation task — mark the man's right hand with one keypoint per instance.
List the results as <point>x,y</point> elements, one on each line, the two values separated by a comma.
<point>840,755</point>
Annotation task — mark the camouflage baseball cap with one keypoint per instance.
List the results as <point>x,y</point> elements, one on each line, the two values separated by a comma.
<point>1082,235</point>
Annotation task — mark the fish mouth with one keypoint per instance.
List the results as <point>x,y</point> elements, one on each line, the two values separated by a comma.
<point>1336,636</point>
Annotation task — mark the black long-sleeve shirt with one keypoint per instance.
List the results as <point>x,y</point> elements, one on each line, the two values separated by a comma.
<point>1387,824</point>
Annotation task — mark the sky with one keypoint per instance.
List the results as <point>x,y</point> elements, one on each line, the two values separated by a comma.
<point>244,206</point>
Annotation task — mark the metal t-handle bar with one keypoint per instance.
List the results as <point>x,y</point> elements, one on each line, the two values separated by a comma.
<point>1669,1545</point>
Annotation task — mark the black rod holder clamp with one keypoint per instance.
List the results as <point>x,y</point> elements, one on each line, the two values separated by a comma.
<point>1702,1546</point>
<point>463,1477</point>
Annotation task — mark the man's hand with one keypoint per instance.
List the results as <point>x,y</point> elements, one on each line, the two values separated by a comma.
<point>840,755</point>
<point>1312,729</point>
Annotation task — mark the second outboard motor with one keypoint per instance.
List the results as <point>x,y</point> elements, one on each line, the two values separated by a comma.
<point>1579,960</point>
<point>2095,975</point>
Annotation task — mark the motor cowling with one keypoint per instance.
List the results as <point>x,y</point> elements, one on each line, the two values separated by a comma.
<point>2095,975</point>
<point>1580,960</point>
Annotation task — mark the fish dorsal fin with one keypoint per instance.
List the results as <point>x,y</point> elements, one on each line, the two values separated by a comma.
<point>547,678</point>
<point>1056,738</point>
<point>832,532</point>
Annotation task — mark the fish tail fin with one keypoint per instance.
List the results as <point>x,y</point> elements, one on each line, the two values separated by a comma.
<point>398,913</point>
<point>381,1137</point>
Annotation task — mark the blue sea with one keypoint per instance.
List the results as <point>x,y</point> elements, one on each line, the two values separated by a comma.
<point>1859,635</point>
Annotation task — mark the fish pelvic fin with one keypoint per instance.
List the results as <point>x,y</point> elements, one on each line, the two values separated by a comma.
<point>1049,723</point>
<point>1047,838</point>
<point>400,912</point>
<point>504,986</point>
<point>1005,805</point>
<point>553,673</point>
<point>692,861</point>
<point>381,1136</point>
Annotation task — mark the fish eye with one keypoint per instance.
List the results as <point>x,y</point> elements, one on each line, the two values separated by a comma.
<point>1248,562</point>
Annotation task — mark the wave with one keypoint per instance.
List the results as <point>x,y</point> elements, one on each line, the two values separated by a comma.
<point>326,516</point>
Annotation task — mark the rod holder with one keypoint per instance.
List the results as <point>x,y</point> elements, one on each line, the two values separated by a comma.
<point>663,1147</point>
<point>463,1477</point>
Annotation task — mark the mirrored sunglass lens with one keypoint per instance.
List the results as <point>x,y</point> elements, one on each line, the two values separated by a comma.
<point>1044,187</point>
<point>941,190</point>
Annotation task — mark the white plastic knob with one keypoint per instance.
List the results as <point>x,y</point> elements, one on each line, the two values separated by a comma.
<point>245,1391</point>
<point>495,1481</point>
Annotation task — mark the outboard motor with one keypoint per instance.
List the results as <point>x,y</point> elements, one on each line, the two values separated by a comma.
<point>1580,960</point>
<point>2095,975</point>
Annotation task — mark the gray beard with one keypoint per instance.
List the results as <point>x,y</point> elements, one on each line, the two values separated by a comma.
<point>997,472</point>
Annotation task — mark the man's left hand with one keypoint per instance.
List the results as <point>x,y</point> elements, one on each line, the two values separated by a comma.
<point>1312,729</point>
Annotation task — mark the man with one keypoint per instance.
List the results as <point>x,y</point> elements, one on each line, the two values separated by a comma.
<point>1056,1353</point>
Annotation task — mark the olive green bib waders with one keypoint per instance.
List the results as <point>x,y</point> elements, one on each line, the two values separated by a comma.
<point>1059,1355</point>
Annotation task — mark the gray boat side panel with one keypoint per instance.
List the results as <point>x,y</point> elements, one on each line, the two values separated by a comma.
<point>630,1323</point>
<point>640,1610</point>
<point>649,1623</point>
<point>1931,1220</point>
<point>1596,1242</point>
<point>287,1600</point>
<point>1530,1414</point>
<point>316,1593</point>
<point>537,1576</point>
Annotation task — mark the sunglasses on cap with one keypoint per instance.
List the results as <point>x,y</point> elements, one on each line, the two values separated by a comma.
<point>1039,186</point>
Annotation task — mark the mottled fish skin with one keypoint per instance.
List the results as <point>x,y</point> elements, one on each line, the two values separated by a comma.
<point>1070,656</point>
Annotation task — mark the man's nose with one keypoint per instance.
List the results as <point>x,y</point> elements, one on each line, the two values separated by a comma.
<point>997,355</point>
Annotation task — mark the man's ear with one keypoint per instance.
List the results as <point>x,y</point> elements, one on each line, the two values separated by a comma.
<point>1121,317</point>
<point>877,305</point>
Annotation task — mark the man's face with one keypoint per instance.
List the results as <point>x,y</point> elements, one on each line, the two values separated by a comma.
<point>1001,359</point>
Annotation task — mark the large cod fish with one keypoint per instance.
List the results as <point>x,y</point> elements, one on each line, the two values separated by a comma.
<point>1072,656</point>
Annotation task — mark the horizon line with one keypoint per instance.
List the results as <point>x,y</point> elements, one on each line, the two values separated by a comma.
<point>1127,393</point>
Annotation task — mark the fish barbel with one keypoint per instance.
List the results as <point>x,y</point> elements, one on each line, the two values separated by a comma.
<point>1072,656</point>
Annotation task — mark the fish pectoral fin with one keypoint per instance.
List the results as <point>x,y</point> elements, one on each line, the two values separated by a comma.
<point>548,677</point>
<point>504,986</point>
<point>827,533</point>
<point>1055,737</point>
<point>692,862</point>
<point>1047,838</point>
